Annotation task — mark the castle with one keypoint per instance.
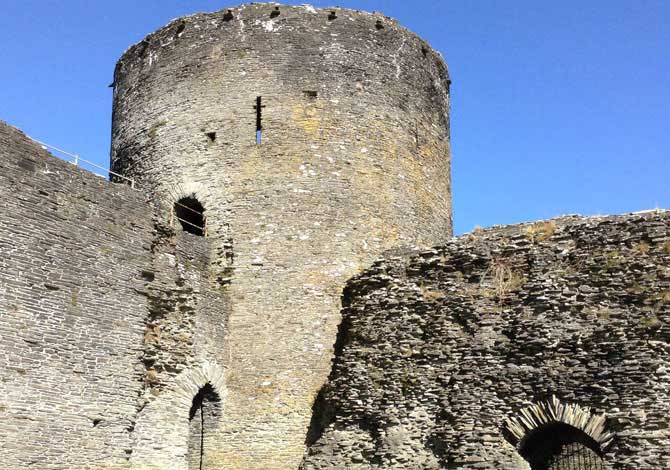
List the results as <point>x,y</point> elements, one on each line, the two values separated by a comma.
<point>256,289</point>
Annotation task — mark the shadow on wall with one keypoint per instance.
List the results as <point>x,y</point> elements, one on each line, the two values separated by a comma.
<point>324,412</point>
<point>559,445</point>
<point>203,420</point>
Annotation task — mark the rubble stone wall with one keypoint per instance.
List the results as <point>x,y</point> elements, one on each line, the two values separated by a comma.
<point>438,348</point>
<point>110,320</point>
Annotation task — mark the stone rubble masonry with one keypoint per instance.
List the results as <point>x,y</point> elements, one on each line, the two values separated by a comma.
<point>109,320</point>
<point>112,319</point>
<point>438,347</point>
<point>353,160</point>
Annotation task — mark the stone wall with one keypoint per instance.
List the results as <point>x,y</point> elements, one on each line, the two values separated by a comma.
<point>353,159</point>
<point>110,322</point>
<point>72,249</point>
<point>315,140</point>
<point>184,352</point>
<point>438,348</point>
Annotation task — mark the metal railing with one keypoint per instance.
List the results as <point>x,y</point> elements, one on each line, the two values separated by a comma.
<point>76,160</point>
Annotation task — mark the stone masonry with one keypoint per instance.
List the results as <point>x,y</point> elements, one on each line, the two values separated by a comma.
<point>438,348</point>
<point>72,251</point>
<point>306,323</point>
<point>353,159</point>
<point>110,322</point>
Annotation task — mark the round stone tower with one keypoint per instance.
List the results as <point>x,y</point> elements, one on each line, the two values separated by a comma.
<point>314,139</point>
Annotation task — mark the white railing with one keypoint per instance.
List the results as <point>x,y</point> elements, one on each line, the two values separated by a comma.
<point>76,160</point>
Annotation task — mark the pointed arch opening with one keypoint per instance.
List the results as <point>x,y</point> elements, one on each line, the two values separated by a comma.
<point>191,215</point>
<point>203,421</point>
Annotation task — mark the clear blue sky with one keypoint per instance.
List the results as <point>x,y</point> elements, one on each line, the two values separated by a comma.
<point>557,107</point>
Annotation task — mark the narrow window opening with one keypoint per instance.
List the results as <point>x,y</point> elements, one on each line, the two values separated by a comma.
<point>142,47</point>
<point>180,29</point>
<point>310,93</point>
<point>211,136</point>
<point>558,446</point>
<point>228,15</point>
<point>415,131</point>
<point>191,215</point>
<point>332,16</point>
<point>424,51</point>
<point>203,421</point>
<point>259,119</point>
<point>275,13</point>
<point>379,24</point>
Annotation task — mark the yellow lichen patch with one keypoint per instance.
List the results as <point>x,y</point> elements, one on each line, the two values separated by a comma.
<point>664,297</point>
<point>541,231</point>
<point>218,51</point>
<point>603,313</point>
<point>642,248</point>
<point>430,294</point>
<point>152,376</point>
<point>651,321</point>
<point>308,116</point>
<point>249,166</point>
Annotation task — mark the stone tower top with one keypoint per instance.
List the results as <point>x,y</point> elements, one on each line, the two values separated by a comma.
<point>334,57</point>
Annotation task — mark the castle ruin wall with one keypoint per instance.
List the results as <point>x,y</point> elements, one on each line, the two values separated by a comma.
<point>438,348</point>
<point>109,321</point>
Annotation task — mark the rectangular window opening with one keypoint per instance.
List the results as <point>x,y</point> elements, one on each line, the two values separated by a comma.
<point>259,119</point>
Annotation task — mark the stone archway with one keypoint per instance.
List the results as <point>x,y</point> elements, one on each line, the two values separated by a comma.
<point>558,446</point>
<point>165,434</point>
<point>190,214</point>
<point>552,435</point>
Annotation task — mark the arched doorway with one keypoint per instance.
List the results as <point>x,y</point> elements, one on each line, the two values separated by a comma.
<point>552,435</point>
<point>559,446</point>
<point>203,421</point>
